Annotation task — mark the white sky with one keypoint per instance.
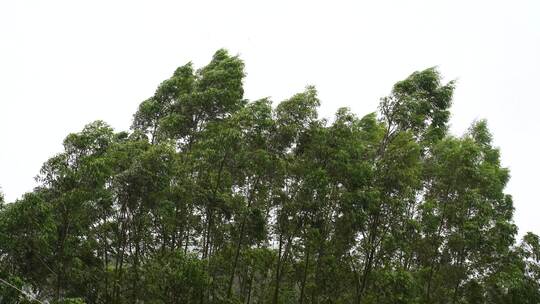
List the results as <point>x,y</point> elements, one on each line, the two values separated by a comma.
<point>66,63</point>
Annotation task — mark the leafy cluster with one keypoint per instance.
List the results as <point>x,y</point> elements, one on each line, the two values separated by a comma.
<point>211,198</point>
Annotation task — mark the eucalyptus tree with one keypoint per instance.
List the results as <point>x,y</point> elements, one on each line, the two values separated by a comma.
<point>26,234</point>
<point>412,117</point>
<point>293,118</point>
<point>253,177</point>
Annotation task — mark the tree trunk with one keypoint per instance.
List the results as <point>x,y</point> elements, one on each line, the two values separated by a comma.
<point>302,288</point>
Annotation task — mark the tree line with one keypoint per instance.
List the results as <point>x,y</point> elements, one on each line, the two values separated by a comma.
<point>212,198</point>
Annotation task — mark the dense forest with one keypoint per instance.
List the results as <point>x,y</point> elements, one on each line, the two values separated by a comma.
<point>212,198</point>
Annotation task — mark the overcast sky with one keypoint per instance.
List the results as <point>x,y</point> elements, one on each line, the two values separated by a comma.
<point>66,63</point>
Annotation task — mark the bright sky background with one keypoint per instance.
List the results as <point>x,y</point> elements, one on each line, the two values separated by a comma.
<point>66,63</point>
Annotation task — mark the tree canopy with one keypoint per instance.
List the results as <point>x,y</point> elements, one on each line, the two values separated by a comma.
<point>212,198</point>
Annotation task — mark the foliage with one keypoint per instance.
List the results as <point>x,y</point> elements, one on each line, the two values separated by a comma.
<point>211,198</point>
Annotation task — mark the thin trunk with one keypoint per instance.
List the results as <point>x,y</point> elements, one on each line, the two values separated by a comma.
<point>278,266</point>
<point>249,289</point>
<point>209,222</point>
<point>436,251</point>
<point>187,241</point>
<point>458,282</point>
<point>282,265</point>
<point>240,239</point>
<point>120,252</point>
<point>236,257</point>
<point>372,245</point>
<point>357,282</point>
<point>135,294</point>
<point>302,288</point>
